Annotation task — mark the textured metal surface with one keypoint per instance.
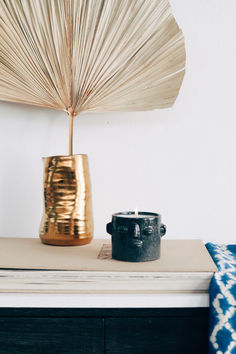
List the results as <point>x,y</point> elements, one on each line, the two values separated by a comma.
<point>67,218</point>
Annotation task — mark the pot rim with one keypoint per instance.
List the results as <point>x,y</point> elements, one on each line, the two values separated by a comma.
<point>151,214</point>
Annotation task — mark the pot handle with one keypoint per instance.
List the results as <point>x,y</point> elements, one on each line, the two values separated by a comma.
<point>163,229</point>
<point>109,228</point>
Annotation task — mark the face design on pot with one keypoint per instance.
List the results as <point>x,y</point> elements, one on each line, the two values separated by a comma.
<point>140,234</point>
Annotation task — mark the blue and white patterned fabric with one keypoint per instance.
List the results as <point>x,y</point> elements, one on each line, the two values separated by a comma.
<point>222,336</point>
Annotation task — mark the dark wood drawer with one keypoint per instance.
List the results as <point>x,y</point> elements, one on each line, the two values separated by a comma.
<point>108,331</point>
<point>51,335</point>
<point>157,335</point>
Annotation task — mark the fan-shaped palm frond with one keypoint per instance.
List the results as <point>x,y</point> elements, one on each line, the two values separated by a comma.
<point>90,55</point>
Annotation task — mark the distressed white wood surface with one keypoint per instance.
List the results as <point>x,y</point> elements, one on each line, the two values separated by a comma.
<point>104,282</point>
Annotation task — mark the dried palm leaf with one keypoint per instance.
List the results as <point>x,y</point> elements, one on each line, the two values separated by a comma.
<point>90,55</point>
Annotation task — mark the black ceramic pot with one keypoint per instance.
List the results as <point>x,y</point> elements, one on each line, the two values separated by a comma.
<point>136,238</point>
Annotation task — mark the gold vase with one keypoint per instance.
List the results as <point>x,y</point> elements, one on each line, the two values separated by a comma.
<point>67,219</point>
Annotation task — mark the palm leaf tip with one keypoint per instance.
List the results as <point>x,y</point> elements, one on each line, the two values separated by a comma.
<point>86,55</point>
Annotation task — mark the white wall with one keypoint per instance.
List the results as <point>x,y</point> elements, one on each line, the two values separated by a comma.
<point>179,162</point>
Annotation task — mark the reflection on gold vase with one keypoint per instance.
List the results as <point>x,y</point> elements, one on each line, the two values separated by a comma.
<point>67,218</point>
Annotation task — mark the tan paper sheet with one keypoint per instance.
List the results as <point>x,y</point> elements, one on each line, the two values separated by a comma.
<point>30,253</point>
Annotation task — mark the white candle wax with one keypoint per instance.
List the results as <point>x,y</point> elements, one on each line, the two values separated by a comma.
<point>139,215</point>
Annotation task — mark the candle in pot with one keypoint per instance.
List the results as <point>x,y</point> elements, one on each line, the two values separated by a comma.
<point>136,236</point>
<point>136,214</point>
